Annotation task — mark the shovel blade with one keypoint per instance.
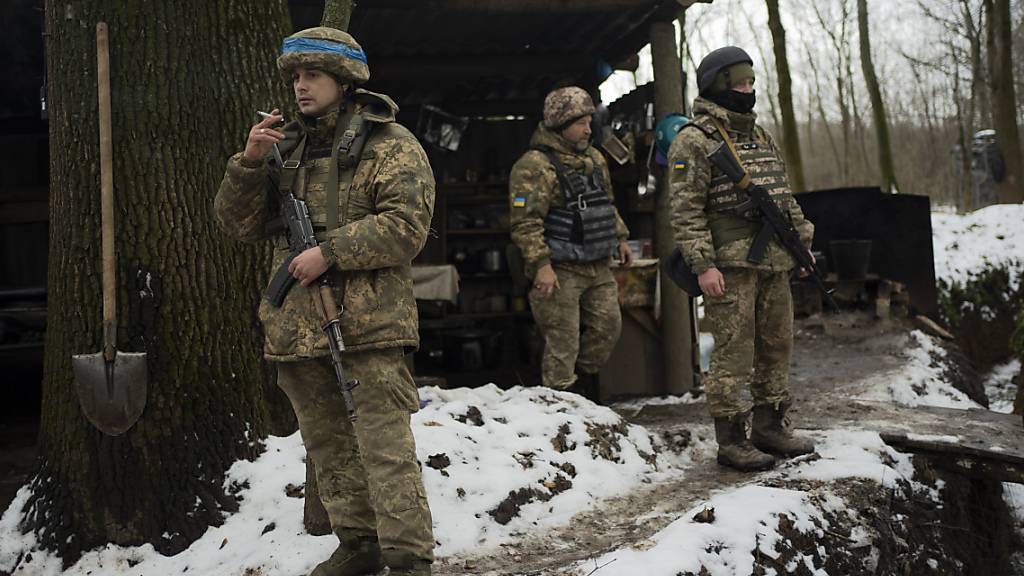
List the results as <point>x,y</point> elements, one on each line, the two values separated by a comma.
<point>112,394</point>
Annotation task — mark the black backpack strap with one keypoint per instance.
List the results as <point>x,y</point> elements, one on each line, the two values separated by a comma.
<point>345,155</point>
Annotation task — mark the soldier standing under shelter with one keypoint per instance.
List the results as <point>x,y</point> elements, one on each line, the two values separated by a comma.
<point>564,221</point>
<point>748,305</point>
<point>371,212</point>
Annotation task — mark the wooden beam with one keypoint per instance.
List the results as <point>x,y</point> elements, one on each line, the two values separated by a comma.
<point>962,458</point>
<point>677,339</point>
<point>516,6</point>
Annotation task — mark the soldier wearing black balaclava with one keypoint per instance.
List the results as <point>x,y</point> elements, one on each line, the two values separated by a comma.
<point>748,305</point>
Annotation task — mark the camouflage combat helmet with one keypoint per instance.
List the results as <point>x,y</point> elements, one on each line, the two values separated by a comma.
<point>718,60</point>
<point>327,49</point>
<point>566,105</point>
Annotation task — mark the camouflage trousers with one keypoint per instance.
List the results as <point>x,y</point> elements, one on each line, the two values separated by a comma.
<point>580,322</point>
<point>752,324</point>
<point>367,472</point>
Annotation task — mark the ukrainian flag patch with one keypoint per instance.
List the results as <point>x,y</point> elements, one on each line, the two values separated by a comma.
<point>519,202</point>
<point>678,166</point>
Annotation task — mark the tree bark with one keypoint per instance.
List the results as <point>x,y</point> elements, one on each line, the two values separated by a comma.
<point>183,95</point>
<point>1004,109</point>
<point>337,13</point>
<point>790,136</point>
<point>676,335</point>
<point>886,169</point>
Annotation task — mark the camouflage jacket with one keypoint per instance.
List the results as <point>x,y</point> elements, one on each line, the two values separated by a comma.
<point>534,183</point>
<point>690,179</point>
<point>384,217</point>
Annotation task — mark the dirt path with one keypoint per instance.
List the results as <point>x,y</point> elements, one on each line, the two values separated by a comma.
<point>833,362</point>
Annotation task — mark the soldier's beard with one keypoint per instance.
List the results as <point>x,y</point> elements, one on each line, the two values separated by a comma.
<point>582,145</point>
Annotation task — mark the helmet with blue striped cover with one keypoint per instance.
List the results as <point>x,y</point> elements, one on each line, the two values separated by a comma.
<point>327,49</point>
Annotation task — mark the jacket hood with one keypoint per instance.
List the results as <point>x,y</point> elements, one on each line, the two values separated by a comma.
<point>375,107</point>
<point>542,136</point>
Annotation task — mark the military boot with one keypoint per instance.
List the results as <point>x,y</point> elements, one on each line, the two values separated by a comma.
<point>358,554</point>
<point>734,450</point>
<point>404,564</point>
<point>587,385</point>
<point>769,432</point>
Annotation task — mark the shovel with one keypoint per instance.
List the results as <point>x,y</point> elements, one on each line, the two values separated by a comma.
<point>111,385</point>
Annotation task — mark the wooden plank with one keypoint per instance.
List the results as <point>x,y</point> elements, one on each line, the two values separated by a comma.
<point>978,443</point>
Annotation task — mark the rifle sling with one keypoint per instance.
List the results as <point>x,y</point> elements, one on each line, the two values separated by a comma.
<point>290,169</point>
<point>745,181</point>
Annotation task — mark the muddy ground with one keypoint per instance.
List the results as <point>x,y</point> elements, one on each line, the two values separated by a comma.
<point>834,362</point>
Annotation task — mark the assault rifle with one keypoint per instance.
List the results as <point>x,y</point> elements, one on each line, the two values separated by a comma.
<point>774,223</point>
<point>301,237</point>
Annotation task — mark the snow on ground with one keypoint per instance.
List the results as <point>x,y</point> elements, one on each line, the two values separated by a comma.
<point>964,244</point>
<point>921,380</point>
<point>747,518</point>
<point>477,446</point>
<point>525,438</point>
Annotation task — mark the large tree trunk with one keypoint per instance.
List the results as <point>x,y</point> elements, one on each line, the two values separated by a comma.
<point>1004,111</point>
<point>676,335</point>
<point>885,162</point>
<point>183,94</point>
<point>790,137</point>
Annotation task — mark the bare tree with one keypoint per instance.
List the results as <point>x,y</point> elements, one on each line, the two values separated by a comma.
<point>840,46</point>
<point>769,78</point>
<point>790,137</point>
<point>1000,51</point>
<point>885,161</point>
<point>836,155</point>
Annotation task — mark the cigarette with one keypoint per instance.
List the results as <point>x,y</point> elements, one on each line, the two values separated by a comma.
<point>262,113</point>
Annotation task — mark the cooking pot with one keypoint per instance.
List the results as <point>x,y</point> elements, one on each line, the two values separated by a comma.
<point>471,349</point>
<point>492,260</point>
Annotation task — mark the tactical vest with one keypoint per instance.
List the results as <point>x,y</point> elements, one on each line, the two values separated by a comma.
<point>308,174</point>
<point>764,167</point>
<point>584,230</point>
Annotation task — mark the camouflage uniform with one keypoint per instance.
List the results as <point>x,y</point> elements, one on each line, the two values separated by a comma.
<point>581,321</point>
<point>369,477</point>
<point>752,322</point>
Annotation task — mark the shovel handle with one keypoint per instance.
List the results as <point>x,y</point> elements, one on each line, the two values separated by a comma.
<point>106,192</point>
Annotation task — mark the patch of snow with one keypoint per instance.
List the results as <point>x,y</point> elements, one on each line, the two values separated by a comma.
<point>965,244</point>
<point>746,520</point>
<point>513,447</point>
<point>921,381</point>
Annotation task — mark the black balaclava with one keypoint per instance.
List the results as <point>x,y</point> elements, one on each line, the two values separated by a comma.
<point>740,102</point>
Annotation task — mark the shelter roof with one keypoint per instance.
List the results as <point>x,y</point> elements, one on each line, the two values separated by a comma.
<point>492,56</point>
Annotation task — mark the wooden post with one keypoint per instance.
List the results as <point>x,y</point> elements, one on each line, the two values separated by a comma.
<point>676,335</point>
